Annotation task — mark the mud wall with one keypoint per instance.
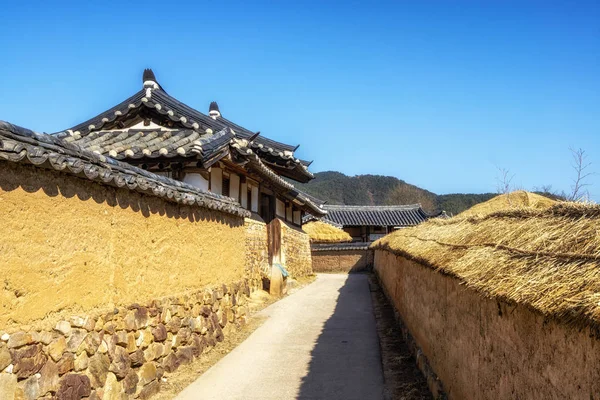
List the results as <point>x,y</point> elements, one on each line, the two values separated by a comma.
<point>295,249</point>
<point>257,250</point>
<point>342,260</point>
<point>70,246</point>
<point>105,290</point>
<point>122,353</point>
<point>482,348</point>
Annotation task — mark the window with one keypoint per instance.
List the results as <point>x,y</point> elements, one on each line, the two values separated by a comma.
<point>249,198</point>
<point>225,187</point>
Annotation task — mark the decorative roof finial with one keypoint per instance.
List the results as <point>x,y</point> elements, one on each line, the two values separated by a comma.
<point>213,110</point>
<point>149,79</point>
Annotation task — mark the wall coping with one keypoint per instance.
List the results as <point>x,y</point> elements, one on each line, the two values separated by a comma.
<point>21,145</point>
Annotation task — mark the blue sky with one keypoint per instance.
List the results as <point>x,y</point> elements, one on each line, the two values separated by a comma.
<point>439,94</point>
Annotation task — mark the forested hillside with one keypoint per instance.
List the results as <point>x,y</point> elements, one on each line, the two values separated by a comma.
<point>337,188</point>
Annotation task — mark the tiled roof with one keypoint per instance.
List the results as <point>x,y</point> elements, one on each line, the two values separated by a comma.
<point>405,215</point>
<point>288,190</point>
<point>21,145</point>
<point>152,143</point>
<point>339,246</point>
<point>152,101</point>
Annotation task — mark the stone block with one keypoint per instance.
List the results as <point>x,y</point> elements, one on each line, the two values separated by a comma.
<point>19,339</point>
<point>75,339</point>
<point>130,382</point>
<point>98,366</point>
<point>154,351</point>
<point>184,334</point>
<point>149,390</point>
<point>113,390</point>
<point>109,327</point>
<point>137,358</point>
<point>196,310</point>
<point>63,327</point>
<point>174,325</point>
<point>81,362</point>
<point>197,344</point>
<point>170,363</point>
<point>185,355</point>
<point>206,311</point>
<point>145,338</point>
<point>159,333</point>
<point>73,387</point>
<point>90,343</point>
<point>141,317</point>
<point>56,348</point>
<point>8,386</point>
<point>131,345</point>
<point>48,381</point>
<point>43,337</point>
<point>120,363</point>
<point>147,373</point>
<point>66,363</point>
<point>166,316</point>
<point>30,388</point>
<point>5,357</point>
<point>28,360</point>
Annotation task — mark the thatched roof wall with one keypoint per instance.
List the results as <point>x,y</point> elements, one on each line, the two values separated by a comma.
<point>321,232</point>
<point>517,199</point>
<point>548,260</point>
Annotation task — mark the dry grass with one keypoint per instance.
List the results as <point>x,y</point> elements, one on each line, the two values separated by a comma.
<point>548,260</point>
<point>514,200</point>
<point>321,232</point>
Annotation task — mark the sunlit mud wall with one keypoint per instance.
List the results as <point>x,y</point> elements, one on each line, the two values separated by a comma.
<point>69,245</point>
<point>481,348</point>
<point>342,260</point>
<point>295,249</point>
<point>105,290</point>
<point>257,251</point>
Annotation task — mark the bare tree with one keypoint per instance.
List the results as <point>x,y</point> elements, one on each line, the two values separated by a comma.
<point>581,167</point>
<point>504,182</point>
<point>550,192</point>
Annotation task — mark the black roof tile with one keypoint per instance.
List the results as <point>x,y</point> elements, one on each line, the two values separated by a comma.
<point>403,215</point>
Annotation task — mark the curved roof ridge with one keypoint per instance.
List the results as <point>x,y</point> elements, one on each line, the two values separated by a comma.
<point>378,208</point>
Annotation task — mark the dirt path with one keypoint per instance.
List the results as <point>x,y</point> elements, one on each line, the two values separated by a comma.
<point>318,343</point>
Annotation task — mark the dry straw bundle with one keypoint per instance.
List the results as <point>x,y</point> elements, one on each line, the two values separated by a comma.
<point>321,232</point>
<point>548,260</point>
<point>517,199</point>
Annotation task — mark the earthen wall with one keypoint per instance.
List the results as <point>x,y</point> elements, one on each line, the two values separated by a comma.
<point>482,348</point>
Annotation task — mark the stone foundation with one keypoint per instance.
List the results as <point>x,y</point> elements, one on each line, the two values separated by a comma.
<point>122,353</point>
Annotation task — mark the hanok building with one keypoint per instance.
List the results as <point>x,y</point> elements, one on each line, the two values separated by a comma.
<point>369,223</point>
<point>159,133</point>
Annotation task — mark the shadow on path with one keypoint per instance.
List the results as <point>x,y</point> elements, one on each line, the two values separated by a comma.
<point>346,362</point>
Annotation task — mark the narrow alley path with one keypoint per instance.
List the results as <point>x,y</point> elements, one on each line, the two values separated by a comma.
<point>318,343</point>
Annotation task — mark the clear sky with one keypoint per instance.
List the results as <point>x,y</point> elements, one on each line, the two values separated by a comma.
<point>439,94</point>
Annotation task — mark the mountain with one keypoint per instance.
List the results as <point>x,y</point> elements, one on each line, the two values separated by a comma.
<point>337,188</point>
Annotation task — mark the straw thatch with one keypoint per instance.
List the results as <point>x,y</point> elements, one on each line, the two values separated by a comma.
<point>517,199</point>
<point>321,232</point>
<point>548,260</point>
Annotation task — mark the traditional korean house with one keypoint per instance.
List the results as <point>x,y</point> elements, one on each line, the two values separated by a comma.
<point>369,223</point>
<point>158,133</point>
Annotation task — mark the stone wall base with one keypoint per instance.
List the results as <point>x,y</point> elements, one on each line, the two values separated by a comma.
<point>122,353</point>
